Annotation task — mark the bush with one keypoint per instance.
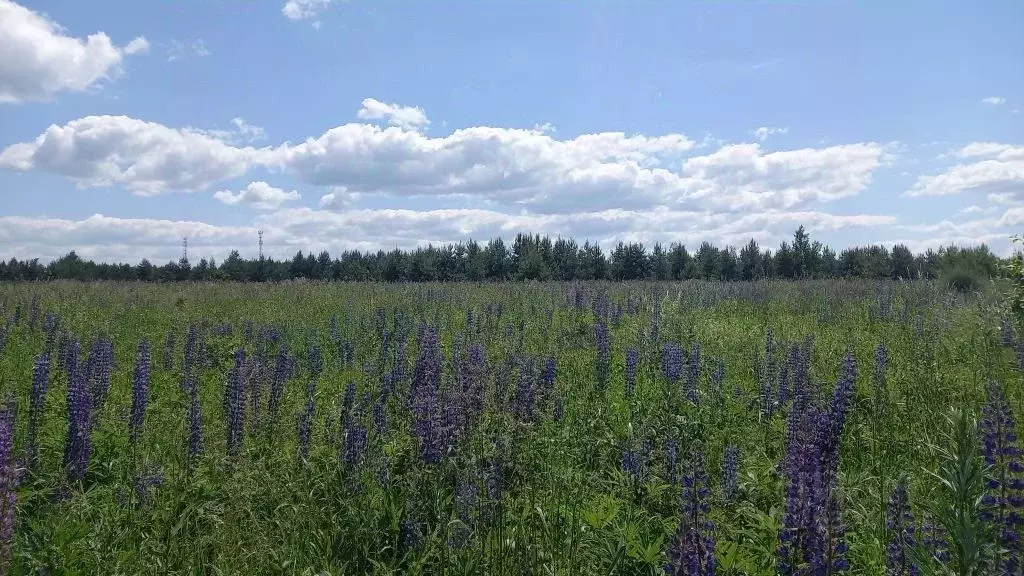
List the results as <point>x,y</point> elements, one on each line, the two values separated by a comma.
<point>963,279</point>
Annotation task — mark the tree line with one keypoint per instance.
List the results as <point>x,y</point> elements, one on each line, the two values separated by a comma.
<point>536,257</point>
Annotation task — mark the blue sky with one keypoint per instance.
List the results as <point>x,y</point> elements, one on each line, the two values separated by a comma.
<point>366,124</point>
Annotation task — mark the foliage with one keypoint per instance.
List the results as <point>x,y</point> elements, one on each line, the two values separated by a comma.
<point>504,428</point>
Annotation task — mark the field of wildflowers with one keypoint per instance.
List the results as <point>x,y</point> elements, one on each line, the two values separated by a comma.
<point>815,427</point>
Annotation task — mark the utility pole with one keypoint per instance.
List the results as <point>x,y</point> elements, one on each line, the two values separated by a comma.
<point>260,233</point>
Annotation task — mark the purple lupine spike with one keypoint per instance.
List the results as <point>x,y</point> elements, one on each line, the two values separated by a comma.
<point>603,346</point>
<point>277,383</point>
<point>523,406</point>
<point>673,357</point>
<point>424,390</point>
<point>691,550</point>
<point>169,343</point>
<point>730,472</point>
<point>1004,480</point>
<point>316,361</point>
<point>629,462</point>
<point>836,416</point>
<point>256,371</point>
<point>8,484</point>
<point>672,461</point>
<point>78,445</point>
<point>933,539</point>
<point>140,390</point>
<point>355,446</point>
<point>473,381</point>
<point>305,426</point>
<point>101,364</point>
<point>899,523</point>
<point>380,417</point>
<point>190,354</point>
<point>465,504</point>
<point>632,357</point>
<point>785,390</point>
<point>193,416</point>
<point>146,482</point>
<point>37,404</point>
<point>234,404</point>
<point>559,411</point>
<point>881,363</point>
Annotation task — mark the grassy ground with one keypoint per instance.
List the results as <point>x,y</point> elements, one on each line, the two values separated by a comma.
<point>521,491</point>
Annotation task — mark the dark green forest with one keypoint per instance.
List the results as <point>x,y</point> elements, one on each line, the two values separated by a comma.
<point>535,257</point>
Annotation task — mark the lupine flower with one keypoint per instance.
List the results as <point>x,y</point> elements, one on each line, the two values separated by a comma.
<point>632,357</point>
<point>465,503</point>
<point>169,343</point>
<point>424,390</point>
<point>146,482</point>
<point>899,522</point>
<point>355,446</point>
<point>37,403</point>
<point>672,461</point>
<point>524,397</point>
<point>140,390</point>
<point>194,417</point>
<point>191,352</point>
<point>8,484</point>
<point>730,472</point>
<point>691,550</point>
<point>409,535</point>
<point>78,446</point>
<point>306,419</point>
<point>784,384</point>
<point>1004,481</point>
<point>281,370</point>
<point>673,357</point>
<point>933,539</point>
<point>603,345</point>
<point>559,413</point>
<point>316,361</point>
<point>813,533</point>
<point>234,404</point>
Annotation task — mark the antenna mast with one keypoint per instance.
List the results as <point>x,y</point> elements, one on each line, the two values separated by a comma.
<point>260,233</point>
<point>184,249</point>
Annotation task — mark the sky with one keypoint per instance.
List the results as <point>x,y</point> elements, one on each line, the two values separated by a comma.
<point>126,126</point>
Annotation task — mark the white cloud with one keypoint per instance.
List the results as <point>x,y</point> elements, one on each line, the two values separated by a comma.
<point>39,59</point>
<point>304,9</point>
<point>145,157</point>
<point>178,49</point>
<point>490,167</point>
<point>137,46</point>
<point>993,100</point>
<point>248,132</point>
<point>110,239</point>
<point>995,168</point>
<point>259,195</point>
<point>402,116</point>
<point>764,132</point>
<point>972,209</point>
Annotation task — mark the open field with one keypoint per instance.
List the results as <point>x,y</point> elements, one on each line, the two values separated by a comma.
<point>595,428</point>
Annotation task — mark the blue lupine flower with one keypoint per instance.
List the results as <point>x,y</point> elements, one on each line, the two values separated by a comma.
<point>8,484</point>
<point>140,390</point>
<point>730,472</point>
<point>632,357</point>
<point>234,404</point>
<point>672,461</point>
<point>1004,480</point>
<point>691,550</point>
<point>78,446</point>
<point>673,358</point>
<point>899,523</point>
<point>194,417</point>
<point>37,404</point>
<point>426,380</point>
<point>306,419</point>
<point>277,382</point>
<point>316,361</point>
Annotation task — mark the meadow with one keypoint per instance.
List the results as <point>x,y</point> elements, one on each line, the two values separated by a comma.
<point>776,427</point>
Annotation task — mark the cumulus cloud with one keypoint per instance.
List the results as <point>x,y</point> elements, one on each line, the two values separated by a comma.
<point>764,132</point>
<point>111,239</point>
<point>259,195</point>
<point>992,168</point>
<point>145,157</point>
<point>40,59</point>
<point>402,116</point>
<point>521,169</point>
<point>304,9</point>
<point>178,49</point>
<point>993,100</point>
